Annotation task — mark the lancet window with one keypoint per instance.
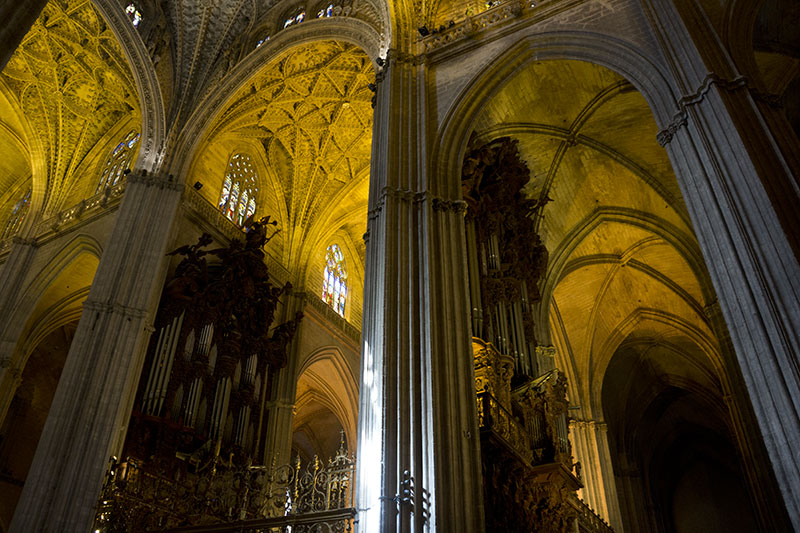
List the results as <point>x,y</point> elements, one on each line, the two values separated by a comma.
<point>119,161</point>
<point>17,215</point>
<point>334,282</point>
<point>327,12</point>
<point>134,14</point>
<point>238,198</point>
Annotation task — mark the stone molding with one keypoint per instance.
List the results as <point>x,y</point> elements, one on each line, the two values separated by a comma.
<point>23,241</point>
<point>114,308</point>
<point>144,73</point>
<point>580,423</point>
<point>438,203</point>
<point>711,79</point>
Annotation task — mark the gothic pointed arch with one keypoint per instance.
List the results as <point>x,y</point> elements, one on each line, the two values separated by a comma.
<point>307,114</point>
<point>148,89</point>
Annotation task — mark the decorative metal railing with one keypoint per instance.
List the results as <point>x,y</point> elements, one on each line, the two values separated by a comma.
<point>587,520</point>
<point>82,212</point>
<point>496,419</point>
<point>317,497</point>
<point>506,9</point>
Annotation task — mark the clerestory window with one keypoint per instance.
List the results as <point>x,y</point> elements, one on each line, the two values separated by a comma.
<point>334,282</point>
<point>238,198</point>
<point>119,161</point>
<point>134,14</point>
<point>17,215</point>
<point>297,19</point>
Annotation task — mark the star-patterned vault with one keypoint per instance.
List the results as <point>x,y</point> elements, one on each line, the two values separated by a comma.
<point>309,116</point>
<point>70,81</point>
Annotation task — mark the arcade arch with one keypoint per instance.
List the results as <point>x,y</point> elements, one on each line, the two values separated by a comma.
<point>624,261</point>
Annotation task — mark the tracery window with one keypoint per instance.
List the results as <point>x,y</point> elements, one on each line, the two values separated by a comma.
<point>119,161</point>
<point>238,198</point>
<point>134,14</point>
<point>334,282</point>
<point>17,215</point>
<point>328,12</point>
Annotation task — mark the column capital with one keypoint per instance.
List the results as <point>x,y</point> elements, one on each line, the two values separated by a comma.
<point>409,196</point>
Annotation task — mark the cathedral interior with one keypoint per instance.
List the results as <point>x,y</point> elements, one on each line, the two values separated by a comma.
<point>395,265</point>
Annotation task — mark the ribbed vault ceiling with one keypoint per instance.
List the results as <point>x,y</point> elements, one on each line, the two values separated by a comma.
<point>70,81</point>
<point>623,258</point>
<point>308,117</point>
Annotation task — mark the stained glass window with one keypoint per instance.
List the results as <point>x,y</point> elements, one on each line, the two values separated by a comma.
<point>328,12</point>
<point>133,14</point>
<point>300,17</point>
<point>334,282</point>
<point>119,161</point>
<point>17,215</point>
<point>262,41</point>
<point>238,197</point>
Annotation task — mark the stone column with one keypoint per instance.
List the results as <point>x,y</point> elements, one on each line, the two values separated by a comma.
<point>280,409</point>
<point>635,498</point>
<point>418,447</point>
<point>590,446</point>
<point>17,17</point>
<point>740,188</point>
<point>92,404</point>
<point>12,281</point>
<point>762,486</point>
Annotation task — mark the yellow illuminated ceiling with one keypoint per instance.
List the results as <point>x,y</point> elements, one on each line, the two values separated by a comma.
<point>308,117</point>
<point>623,259</point>
<point>70,81</point>
<point>15,166</point>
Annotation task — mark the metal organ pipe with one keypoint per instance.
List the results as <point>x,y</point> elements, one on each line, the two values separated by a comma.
<point>474,280</point>
<point>167,370</point>
<point>156,389</point>
<point>153,365</point>
<point>193,401</point>
<point>220,410</point>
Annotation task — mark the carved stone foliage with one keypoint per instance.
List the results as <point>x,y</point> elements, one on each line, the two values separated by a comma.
<point>311,111</point>
<point>72,82</point>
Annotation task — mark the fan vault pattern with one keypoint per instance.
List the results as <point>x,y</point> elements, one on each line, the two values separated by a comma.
<point>72,83</point>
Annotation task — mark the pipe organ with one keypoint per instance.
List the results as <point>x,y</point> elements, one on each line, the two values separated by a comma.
<point>201,406</point>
